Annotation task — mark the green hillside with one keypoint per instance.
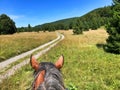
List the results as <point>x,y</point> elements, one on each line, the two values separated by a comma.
<point>91,20</point>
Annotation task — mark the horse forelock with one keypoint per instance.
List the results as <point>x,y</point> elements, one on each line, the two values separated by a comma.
<point>52,79</point>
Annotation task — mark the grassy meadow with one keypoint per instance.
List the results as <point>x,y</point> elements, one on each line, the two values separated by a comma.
<point>87,66</point>
<point>11,45</point>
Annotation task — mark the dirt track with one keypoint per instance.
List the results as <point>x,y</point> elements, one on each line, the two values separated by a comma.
<point>12,70</point>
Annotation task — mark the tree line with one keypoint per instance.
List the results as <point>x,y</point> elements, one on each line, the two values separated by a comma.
<point>92,20</point>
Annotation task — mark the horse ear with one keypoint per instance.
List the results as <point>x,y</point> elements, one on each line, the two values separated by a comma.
<point>34,63</point>
<point>60,62</point>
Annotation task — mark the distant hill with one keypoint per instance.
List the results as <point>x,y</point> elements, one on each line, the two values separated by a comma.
<point>92,20</point>
<point>57,25</point>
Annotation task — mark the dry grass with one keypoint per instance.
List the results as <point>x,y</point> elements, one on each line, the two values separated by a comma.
<point>88,38</point>
<point>11,45</point>
<point>86,66</point>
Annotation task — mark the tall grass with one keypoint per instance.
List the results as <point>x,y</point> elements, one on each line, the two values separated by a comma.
<point>11,45</point>
<point>86,66</point>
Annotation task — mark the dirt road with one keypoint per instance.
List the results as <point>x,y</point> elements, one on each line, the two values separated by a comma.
<point>12,70</point>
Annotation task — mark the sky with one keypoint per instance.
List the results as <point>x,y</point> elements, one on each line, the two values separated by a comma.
<point>36,12</point>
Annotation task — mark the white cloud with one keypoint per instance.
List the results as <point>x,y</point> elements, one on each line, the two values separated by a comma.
<point>16,16</point>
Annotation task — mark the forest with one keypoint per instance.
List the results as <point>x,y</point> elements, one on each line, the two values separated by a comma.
<point>92,20</point>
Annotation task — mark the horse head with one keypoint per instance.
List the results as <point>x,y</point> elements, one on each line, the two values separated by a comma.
<point>47,76</point>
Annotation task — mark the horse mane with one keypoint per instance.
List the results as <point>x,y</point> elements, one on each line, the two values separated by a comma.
<point>52,79</point>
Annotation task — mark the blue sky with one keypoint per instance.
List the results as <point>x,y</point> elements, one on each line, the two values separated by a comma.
<point>35,12</point>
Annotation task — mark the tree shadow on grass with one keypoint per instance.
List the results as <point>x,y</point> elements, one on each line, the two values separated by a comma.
<point>100,46</point>
<point>104,47</point>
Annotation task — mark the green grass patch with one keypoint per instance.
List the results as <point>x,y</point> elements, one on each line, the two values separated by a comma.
<point>86,66</point>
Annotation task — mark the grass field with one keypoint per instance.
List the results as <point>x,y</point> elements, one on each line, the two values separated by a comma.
<point>86,66</point>
<point>11,45</point>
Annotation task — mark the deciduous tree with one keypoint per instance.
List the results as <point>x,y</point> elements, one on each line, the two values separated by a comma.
<point>7,25</point>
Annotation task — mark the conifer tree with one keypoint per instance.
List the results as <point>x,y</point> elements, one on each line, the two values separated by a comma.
<point>78,27</point>
<point>113,29</point>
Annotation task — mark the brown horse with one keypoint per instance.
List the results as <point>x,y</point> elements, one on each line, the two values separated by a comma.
<point>47,75</point>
